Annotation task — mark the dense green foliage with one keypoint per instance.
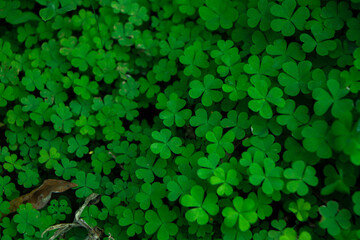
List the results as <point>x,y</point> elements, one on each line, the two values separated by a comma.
<point>194,119</point>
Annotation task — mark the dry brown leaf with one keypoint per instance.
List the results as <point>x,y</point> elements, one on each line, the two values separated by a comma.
<point>40,196</point>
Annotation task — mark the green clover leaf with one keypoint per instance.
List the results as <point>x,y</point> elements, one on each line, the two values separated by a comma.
<point>27,219</point>
<point>244,213</point>
<point>262,98</point>
<point>164,70</point>
<point>4,206</point>
<point>203,123</point>
<point>202,207</point>
<point>260,15</point>
<point>33,80</point>
<point>208,165</point>
<point>6,186</point>
<point>285,52</point>
<point>315,139</point>
<point>66,169</point>
<point>292,117</point>
<point>17,116</point>
<point>189,7</point>
<point>301,209</point>
<point>86,182</point>
<point>161,222</point>
<point>260,69</point>
<point>338,179</point>
<point>78,145</point>
<point>195,58</point>
<point>125,33</point>
<point>321,43</point>
<point>166,145</point>
<point>295,77</point>
<point>218,13</point>
<point>288,18</point>
<point>6,94</point>
<point>85,88</point>
<point>83,57</point>
<point>237,122</point>
<point>151,194</point>
<point>29,177</point>
<point>50,157</point>
<point>102,162</point>
<point>324,100</point>
<point>226,179</point>
<point>356,200</point>
<point>150,167</point>
<point>262,201</point>
<point>206,89</point>
<point>172,47</point>
<point>236,87</point>
<point>134,219</point>
<point>179,187</point>
<point>174,112</point>
<point>300,176</point>
<point>62,119</point>
<point>220,143</point>
<point>334,219</point>
<point>87,125</point>
<point>271,178</point>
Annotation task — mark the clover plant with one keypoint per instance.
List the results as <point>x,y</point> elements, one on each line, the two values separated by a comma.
<point>193,119</point>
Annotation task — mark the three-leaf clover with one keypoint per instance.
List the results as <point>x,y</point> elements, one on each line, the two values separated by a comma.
<point>220,143</point>
<point>27,219</point>
<point>162,222</point>
<point>50,157</point>
<point>151,194</point>
<point>237,122</point>
<point>262,98</point>
<point>87,182</point>
<point>292,117</point>
<point>301,208</point>
<point>201,207</point>
<point>62,119</point>
<point>324,100</point>
<point>150,167</point>
<point>226,179</point>
<point>295,77</point>
<point>315,139</point>
<point>208,165</point>
<point>334,219</point>
<point>78,145</point>
<point>260,15</point>
<point>66,169</point>
<point>174,112</point>
<point>195,58</point>
<point>288,18</point>
<point>166,145</point>
<point>244,213</point>
<point>134,219</point>
<point>218,13</point>
<point>321,43</point>
<point>300,176</point>
<point>206,89</point>
<point>268,175</point>
<point>204,123</point>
